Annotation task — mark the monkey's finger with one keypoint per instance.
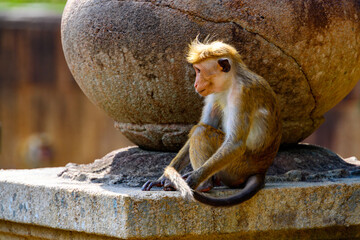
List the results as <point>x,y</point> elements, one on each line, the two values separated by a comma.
<point>168,183</point>
<point>191,182</point>
<point>186,175</point>
<point>145,187</point>
<point>169,186</point>
<point>169,189</point>
<point>149,184</point>
<point>163,181</point>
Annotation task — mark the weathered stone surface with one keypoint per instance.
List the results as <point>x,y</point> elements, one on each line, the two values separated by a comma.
<point>323,210</point>
<point>133,166</point>
<point>128,56</point>
<point>163,137</point>
<point>304,162</point>
<point>128,166</point>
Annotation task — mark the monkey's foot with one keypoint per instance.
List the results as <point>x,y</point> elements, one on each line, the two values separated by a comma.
<point>164,183</point>
<point>206,186</point>
<point>149,184</point>
<point>168,186</point>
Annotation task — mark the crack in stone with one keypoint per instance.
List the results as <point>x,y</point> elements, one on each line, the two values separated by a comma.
<point>295,61</point>
<point>192,14</point>
<point>262,37</point>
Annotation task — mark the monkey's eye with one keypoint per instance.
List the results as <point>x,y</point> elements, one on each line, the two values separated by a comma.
<point>197,69</point>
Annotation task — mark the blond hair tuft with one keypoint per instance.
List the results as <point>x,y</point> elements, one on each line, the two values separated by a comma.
<point>199,51</point>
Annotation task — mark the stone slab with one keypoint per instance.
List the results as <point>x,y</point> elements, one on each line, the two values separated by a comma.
<point>321,210</point>
<point>133,166</point>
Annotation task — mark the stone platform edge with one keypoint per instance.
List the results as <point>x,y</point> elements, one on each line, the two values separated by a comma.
<point>38,204</point>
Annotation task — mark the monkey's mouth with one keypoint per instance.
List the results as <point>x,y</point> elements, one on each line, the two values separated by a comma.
<point>202,93</point>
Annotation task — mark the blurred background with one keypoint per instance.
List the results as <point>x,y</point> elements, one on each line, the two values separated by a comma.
<point>47,121</point>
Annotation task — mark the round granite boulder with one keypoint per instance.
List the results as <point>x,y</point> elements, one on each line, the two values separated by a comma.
<point>129,58</point>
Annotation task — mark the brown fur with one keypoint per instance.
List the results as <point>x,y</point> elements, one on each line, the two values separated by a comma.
<point>245,108</point>
<point>179,182</point>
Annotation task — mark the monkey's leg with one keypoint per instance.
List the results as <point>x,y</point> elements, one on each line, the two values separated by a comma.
<point>204,142</point>
<point>180,161</point>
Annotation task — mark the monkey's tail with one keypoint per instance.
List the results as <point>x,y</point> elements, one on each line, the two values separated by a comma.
<point>252,186</point>
<point>179,183</point>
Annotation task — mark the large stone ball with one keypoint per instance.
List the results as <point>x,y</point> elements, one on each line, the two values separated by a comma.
<point>129,58</point>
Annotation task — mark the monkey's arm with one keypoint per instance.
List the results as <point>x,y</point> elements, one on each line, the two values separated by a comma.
<point>234,146</point>
<point>180,161</point>
<point>221,158</point>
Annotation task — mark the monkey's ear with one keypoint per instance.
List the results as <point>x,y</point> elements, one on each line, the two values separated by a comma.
<point>224,64</point>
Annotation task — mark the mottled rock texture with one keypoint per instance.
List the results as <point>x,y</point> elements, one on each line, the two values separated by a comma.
<point>36,204</point>
<point>129,58</point>
<point>132,166</point>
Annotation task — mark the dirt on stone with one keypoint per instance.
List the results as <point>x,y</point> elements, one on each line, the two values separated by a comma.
<point>304,162</point>
<point>133,166</point>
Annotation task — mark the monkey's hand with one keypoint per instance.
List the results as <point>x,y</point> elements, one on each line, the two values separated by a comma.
<point>161,182</point>
<point>192,180</point>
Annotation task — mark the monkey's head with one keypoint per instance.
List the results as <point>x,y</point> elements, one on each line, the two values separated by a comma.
<point>215,65</point>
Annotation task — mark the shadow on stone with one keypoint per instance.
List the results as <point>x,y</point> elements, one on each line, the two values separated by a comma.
<point>133,166</point>
<point>304,162</point>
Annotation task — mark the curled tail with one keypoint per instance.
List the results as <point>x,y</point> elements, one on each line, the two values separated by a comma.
<point>179,183</point>
<point>252,186</point>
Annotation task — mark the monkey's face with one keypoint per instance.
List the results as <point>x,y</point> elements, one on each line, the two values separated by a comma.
<point>212,76</point>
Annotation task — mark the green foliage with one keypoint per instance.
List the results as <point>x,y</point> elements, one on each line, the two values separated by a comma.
<point>56,5</point>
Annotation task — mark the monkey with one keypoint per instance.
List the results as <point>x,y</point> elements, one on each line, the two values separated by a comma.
<point>239,132</point>
<point>37,151</point>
